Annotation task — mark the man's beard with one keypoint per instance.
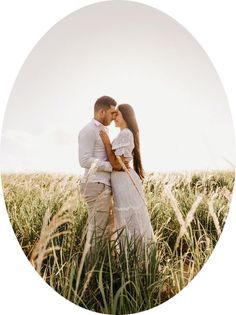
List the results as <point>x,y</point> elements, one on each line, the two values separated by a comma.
<point>105,122</point>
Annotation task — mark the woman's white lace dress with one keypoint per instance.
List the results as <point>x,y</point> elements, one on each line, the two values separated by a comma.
<point>129,205</point>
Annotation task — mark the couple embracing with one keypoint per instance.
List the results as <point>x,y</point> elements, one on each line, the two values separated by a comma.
<point>113,192</point>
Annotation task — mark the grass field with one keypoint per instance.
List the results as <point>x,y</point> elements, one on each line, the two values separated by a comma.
<point>48,215</point>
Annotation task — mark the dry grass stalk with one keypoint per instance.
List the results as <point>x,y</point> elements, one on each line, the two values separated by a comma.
<point>87,282</point>
<point>208,245</point>
<point>190,215</point>
<point>227,194</point>
<point>91,172</point>
<point>184,224</point>
<point>213,214</point>
<point>127,171</point>
<point>188,220</point>
<point>64,215</point>
<point>168,192</point>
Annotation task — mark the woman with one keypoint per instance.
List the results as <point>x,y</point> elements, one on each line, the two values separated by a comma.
<point>131,213</point>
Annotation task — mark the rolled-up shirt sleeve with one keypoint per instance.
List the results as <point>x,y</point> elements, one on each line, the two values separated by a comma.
<point>87,139</point>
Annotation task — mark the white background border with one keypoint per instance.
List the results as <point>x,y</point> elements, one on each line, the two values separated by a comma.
<point>22,24</point>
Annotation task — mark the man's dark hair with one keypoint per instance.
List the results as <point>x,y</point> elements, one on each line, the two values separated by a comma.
<point>104,102</point>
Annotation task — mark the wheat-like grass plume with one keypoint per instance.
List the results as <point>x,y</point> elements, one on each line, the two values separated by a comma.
<point>168,192</point>
<point>128,284</point>
<point>188,220</point>
<point>91,172</point>
<point>48,231</point>
<point>213,214</point>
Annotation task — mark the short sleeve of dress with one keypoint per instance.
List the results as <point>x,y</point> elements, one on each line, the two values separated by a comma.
<point>124,144</point>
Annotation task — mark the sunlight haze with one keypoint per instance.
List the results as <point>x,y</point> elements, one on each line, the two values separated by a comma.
<point>137,55</point>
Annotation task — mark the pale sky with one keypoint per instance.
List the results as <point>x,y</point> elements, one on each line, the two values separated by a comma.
<point>137,55</point>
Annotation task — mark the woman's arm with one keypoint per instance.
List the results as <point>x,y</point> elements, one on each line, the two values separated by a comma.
<point>87,139</point>
<point>110,153</point>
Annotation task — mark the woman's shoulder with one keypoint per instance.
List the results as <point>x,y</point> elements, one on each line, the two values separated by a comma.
<point>125,135</point>
<point>125,138</point>
<point>126,132</point>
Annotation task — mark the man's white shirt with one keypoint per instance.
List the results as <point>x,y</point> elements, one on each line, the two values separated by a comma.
<point>92,153</point>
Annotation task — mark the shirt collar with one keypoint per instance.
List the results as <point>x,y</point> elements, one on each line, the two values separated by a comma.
<point>98,124</point>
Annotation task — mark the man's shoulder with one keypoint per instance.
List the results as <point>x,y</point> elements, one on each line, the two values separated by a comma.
<point>89,128</point>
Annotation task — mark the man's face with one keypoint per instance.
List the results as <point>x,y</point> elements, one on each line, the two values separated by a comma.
<point>108,115</point>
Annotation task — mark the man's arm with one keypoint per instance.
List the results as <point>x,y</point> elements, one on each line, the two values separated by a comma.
<point>87,140</point>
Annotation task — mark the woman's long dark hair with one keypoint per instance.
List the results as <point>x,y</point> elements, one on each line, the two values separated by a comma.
<point>129,117</point>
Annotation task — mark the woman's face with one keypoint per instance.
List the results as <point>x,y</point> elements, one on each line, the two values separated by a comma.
<point>119,120</point>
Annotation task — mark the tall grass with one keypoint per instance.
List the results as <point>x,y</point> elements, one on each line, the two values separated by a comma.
<point>49,217</point>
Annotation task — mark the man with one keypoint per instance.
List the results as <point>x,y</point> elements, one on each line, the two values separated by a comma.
<point>96,185</point>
